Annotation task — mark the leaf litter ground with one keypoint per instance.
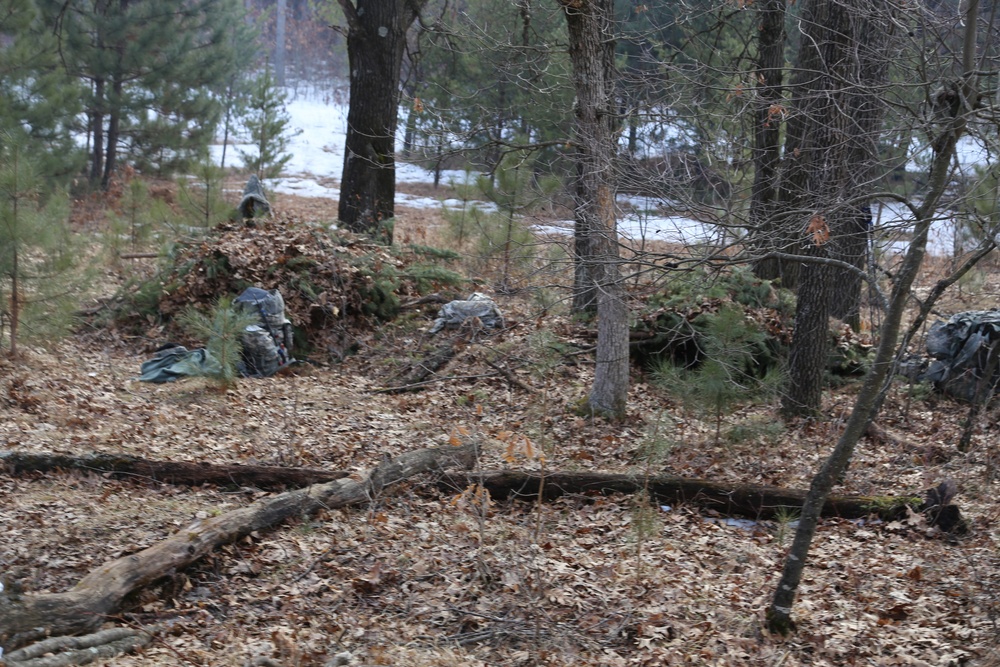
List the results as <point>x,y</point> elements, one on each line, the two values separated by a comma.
<point>446,577</point>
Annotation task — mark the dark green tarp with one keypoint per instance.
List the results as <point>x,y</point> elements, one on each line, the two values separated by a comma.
<point>177,361</point>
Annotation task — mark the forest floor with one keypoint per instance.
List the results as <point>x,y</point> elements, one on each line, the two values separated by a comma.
<point>425,577</point>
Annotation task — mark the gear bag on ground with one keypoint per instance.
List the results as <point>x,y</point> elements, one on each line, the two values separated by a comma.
<point>267,346</point>
<point>960,349</point>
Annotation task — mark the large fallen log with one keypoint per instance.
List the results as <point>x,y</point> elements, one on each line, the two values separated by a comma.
<point>744,500</point>
<point>102,592</point>
<point>169,472</point>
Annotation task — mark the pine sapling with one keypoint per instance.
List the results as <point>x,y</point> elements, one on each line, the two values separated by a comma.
<point>37,289</point>
<point>222,328</point>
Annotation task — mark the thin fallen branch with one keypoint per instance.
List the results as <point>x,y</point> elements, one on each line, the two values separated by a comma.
<point>401,389</point>
<point>746,500</point>
<point>103,591</point>
<point>424,300</point>
<point>432,363</point>
<point>510,377</point>
<point>169,472</point>
<point>65,651</point>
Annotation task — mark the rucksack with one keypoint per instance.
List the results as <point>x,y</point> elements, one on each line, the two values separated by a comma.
<point>267,346</point>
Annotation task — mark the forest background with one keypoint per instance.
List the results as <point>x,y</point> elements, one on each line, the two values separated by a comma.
<point>814,147</point>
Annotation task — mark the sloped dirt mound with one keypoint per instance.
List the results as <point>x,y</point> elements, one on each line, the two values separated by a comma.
<point>333,283</point>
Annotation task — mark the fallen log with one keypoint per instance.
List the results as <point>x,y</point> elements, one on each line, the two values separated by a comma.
<point>102,592</point>
<point>750,501</point>
<point>169,472</point>
<point>66,651</point>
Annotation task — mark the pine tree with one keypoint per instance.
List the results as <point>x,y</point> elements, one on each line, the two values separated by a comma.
<point>728,372</point>
<point>151,69</point>
<point>222,328</point>
<point>35,250</point>
<point>201,199</point>
<point>266,123</point>
<point>36,96</point>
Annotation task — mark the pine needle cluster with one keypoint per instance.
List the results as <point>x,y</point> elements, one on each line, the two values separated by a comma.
<point>38,284</point>
<point>222,328</point>
<point>727,373</point>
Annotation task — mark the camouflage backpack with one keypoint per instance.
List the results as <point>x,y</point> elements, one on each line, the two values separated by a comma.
<point>267,346</point>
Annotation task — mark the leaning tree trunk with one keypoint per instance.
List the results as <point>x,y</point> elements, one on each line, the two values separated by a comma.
<point>877,381</point>
<point>376,39</point>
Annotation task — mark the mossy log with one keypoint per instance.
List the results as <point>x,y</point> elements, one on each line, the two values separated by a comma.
<point>743,500</point>
<point>103,591</point>
<point>169,472</point>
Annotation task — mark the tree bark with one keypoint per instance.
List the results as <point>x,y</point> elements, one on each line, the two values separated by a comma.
<point>597,276</point>
<point>65,651</point>
<point>97,129</point>
<point>744,500</point>
<point>845,301</point>
<point>103,591</point>
<point>810,343</point>
<point>831,154</point>
<point>591,52</point>
<point>15,296</point>
<point>279,42</point>
<point>609,393</point>
<point>169,472</point>
<point>769,117</point>
<point>376,38</point>
<point>114,123</point>
<point>877,381</point>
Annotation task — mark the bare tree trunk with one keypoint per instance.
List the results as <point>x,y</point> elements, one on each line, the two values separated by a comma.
<point>97,129</point>
<point>810,343</point>
<point>609,393</point>
<point>279,42</point>
<point>831,155</point>
<point>15,296</point>
<point>598,281</point>
<point>114,123</point>
<point>592,51</point>
<point>853,243</point>
<point>769,117</point>
<point>376,39</point>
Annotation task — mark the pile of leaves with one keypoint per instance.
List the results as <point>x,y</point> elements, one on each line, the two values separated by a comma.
<point>333,282</point>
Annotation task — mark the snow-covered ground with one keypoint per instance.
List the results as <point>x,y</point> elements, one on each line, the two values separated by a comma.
<point>318,130</point>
